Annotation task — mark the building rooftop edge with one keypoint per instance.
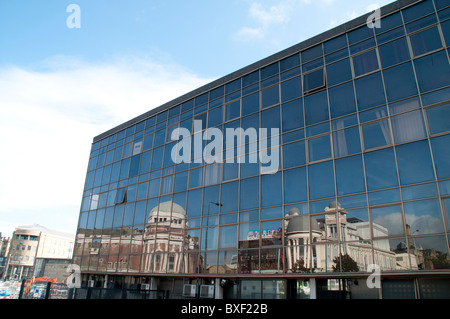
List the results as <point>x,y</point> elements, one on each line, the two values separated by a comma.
<point>326,35</point>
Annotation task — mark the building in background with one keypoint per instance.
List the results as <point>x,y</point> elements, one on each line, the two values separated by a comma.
<point>361,128</point>
<point>34,246</point>
<point>4,250</point>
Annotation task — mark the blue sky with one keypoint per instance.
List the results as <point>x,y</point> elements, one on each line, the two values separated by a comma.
<point>60,86</point>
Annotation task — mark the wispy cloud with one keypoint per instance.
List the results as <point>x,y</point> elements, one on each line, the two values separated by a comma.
<point>49,115</point>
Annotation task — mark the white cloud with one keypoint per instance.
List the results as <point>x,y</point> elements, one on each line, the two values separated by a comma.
<point>49,116</point>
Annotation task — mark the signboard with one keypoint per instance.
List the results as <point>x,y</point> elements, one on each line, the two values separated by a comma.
<point>265,233</point>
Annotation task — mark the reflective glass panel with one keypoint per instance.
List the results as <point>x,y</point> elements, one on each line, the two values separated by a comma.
<point>408,127</point>
<point>319,148</point>
<point>313,80</point>
<point>346,142</point>
<point>342,100</point>
<point>381,171</point>
<point>438,118</point>
<point>339,72</point>
<point>365,62</point>
<point>295,187</point>
<point>441,155</point>
<point>424,216</point>
<point>414,163</point>
<point>292,117</point>
<point>400,82</point>
<point>376,134</point>
<point>425,41</point>
<point>249,193</point>
<point>350,175</point>
<point>316,108</point>
<point>433,71</point>
<point>321,180</point>
<point>387,221</point>
<point>369,91</point>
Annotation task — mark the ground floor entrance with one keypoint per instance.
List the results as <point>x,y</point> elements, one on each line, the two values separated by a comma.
<point>431,287</point>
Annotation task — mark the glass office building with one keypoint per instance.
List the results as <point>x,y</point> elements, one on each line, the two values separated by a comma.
<point>355,124</point>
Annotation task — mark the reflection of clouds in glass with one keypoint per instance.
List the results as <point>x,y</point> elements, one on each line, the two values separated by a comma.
<point>438,243</point>
<point>426,224</point>
<point>393,222</point>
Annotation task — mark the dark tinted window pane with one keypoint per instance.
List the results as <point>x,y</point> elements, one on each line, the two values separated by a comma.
<point>335,44</point>
<point>381,170</point>
<point>269,71</point>
<point>312,53</point>
<point>426,41</point>
<point>414,163</point>
<point>369,91</point>
<point>250,104</point>
<point>346,142</point>
<point>400,82</point>
<point>446,31</point>
<point>321,180</point>
<point>291,89</point>
<point>232,110</point>
<point>433,71</point>
<point>134,167</point>
<point>350,175</point>
<point>289,62</point>
<point>389,22</point>
<point>441,155</point>
<point>359,34</point>
<point>250,78</point>
<point>215,116</point>
<point>313,80</point>
<point>294,154</point>
<point>365,62</point>
<point>270,96</point>
<point>421,23</point>
<point>418,10</point>
<point>316,108</point>
<point>438,118</point>
<point>394,52</point>
<point>292,115</point>
<point>230,196</point>
<point>295,189</point>
<point>342,100</point>
<point>271,118</point>
<point>339,72</point>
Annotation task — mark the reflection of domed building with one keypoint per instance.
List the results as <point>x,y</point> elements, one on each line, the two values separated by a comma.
<point>166,241</point>
<point>298,239</point>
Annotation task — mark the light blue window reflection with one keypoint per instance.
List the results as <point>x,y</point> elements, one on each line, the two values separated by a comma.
<point>292,117</point>
<point>250,104</point>
<point>419,191</point>
<point>142,190</point>
<point>153,188</point>
<point>342,100</point>
<point>381,171</point>
<point>230,197</point>
<point>118,215</point>
<point>294,154</point>
<point>166,184</point>
<point>271,189</point>
<point>424,217</point>
<point>425,41</point>
<point>414,163</point>
<point>387,221</point>
<point>441,155</point>
<point>196,177</point>
<point>128,214</point>
<point>346,142</point>
<point>124,168</point>
<point>321,180</point>
<point>438,118</point>
<point>157,158</point>
<point>408,127</point>
<point>433,71</point>
<point>247,231</point>
<point>350,175</point>
<point>230,169</point>
<point>181,180</point>
<point>210,236</point>
<point>228,237</point>
<point>215,116</point>
<point>194,203</point>
<point>400,82</point>
<point>339,72</point>
<point>134,166</point>
<point>376,134</point>
<point>365,62</point>
<point>295,188</point>
<point>316,108</point>
<point>319,148</point>
<point>211,197</point>
<point>232,110</point>
<point>369,91</point>
<point>384,197</point>
<point>249,193</point>
<point>394,52</point>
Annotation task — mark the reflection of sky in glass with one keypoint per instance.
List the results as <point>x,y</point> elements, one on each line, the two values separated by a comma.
<point>424,217</point>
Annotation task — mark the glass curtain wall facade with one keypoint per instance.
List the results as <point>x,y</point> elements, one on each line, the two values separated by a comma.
<point>363,121</point>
